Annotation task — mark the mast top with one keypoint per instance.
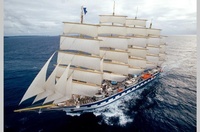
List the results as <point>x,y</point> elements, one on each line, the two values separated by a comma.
<point>150,24</point>
<point>83,10</point>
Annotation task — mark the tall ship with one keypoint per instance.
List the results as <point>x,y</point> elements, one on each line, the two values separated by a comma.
<point>98,64</point>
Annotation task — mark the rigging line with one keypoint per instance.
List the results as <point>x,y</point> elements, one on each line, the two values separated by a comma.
<point>104,55</point>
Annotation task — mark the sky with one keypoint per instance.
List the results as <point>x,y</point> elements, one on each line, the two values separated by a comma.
<point>44,17</point>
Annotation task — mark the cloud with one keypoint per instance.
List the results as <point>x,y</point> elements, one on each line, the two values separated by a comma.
<point>43,17</point>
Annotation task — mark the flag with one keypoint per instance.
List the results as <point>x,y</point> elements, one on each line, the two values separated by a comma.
<point>84,9</point>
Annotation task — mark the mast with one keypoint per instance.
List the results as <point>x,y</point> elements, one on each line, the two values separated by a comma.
<point>137,31</point>
<point>114,46</point>
<point>81,14</point>
<point>114,8</point>
<point>136,13</point>
<point>162,53</point>
<point>150,24</point>
<point>153,47</point>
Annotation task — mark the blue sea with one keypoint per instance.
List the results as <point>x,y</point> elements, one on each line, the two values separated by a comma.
<point>166,104</point>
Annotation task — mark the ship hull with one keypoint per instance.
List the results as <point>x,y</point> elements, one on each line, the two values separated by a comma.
<point>105,101</point>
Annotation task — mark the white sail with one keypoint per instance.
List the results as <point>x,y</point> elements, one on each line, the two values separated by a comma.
<point>77,60</point>
<point>136,31</point>
<point>89,76</point>
<point>114,77</point>
<point>84,89</point>
<point>36,86</point>
<point>68,92</point>
<point>135,71</point>
<point>115,68</point>
<point>60,87</point>
<point>141,42</point>
<point>137,63</point>
<point>79,44</point>
<point>136,22</point>
<point>153,41</point>
<point>114,42</point>
<point>112,19</point>
<point>112,30</point>
<point>153,50</point>
<point>49,86</point>
<point>153,59</point>
<point>120,56</point>
<point>78,28</point>
<point>137,52</point>
<point>153,32</point>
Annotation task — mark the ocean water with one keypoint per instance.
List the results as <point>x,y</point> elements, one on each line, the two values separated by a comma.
<point>166,104</point>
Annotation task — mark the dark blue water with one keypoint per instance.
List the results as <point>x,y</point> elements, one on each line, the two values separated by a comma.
<point>167,104</point>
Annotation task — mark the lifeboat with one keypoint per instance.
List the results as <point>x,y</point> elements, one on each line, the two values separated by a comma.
<point>146,76</point>
<point>120,89</point>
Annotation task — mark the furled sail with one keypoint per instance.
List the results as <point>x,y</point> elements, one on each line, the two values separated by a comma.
<point>37,85</point>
